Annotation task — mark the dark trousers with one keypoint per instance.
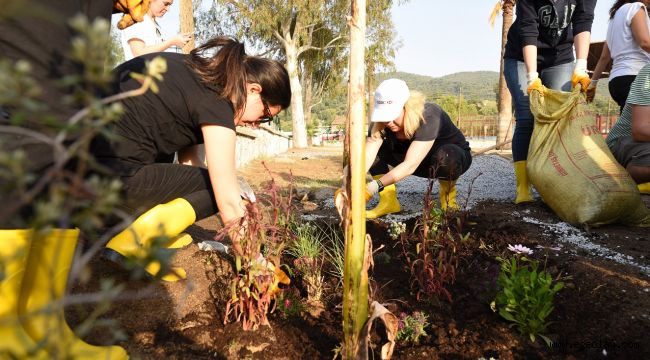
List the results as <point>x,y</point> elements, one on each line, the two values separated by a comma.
<point>160,183</point>
<point>447,162</point>
<point>619,88</point>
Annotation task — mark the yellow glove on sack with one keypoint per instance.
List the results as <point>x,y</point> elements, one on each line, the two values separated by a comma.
<point>536,85</point>
<point>580,75</point>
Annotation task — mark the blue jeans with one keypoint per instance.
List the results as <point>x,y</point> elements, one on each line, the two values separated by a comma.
<point>557,77</point>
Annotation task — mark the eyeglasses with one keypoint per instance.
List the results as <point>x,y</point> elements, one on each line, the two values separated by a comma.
<point>268,117</point>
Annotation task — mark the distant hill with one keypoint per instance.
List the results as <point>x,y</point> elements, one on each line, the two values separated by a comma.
<point>474,85</point>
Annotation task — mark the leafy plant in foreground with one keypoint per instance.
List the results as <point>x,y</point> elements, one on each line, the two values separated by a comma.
<point>412,327</point>
<point>263,238</point>
<point>307,250</point>
<point>438,238</point>
<point>526,294</point>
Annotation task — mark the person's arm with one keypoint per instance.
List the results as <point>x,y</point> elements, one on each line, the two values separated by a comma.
<point>639,27</point>
<point>138,46</point>
<point>220,155</point>
<point>372,146</point>
<point>641,123</point>
<point>529,33</point>
<point>190,156</point>
<point>604,60</point>
<point>416,153</point>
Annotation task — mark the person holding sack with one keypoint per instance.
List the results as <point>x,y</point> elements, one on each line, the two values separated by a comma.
<point>539,53</point>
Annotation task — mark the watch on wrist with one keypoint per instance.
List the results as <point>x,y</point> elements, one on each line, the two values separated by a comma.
<point>380,185</point>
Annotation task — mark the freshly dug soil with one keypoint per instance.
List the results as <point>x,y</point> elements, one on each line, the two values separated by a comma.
<point>603,312</point>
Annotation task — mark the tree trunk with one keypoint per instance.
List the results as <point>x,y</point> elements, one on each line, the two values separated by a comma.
<point>355,278</point>
<point>504,120</point>
<point>297,109</point>
<point>187,23</point>
<point>309,98</point>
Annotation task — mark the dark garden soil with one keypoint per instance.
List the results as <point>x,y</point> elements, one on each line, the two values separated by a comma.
<point>603,312</point>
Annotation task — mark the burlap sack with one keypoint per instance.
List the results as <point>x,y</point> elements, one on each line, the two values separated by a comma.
<point>572,168</point>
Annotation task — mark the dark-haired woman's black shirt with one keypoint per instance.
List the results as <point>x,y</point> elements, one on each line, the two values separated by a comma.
<point>155,125</point>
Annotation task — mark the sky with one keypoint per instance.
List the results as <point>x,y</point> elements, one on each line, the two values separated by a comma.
<point>440,37</point>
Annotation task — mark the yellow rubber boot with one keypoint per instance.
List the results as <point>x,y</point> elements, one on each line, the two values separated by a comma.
<point>15,343</point>
<point>448,195</point>
<point>43,288</point>
<point>162,220</point>
<point>644,188</point>
<point>388,202</point>
<point>523,187</point>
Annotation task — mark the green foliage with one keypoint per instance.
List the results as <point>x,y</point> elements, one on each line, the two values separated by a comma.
<point>291,305</point>
<point>438,237</point>
<point>411,328</point>
<point>526,295</point>
<point>51,187</point>
<point>335,253</point>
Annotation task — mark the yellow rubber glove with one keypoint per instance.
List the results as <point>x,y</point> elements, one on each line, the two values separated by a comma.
<point>583,80</point>
<point>580,75</point>
<point>134,11</point>
<point>536,85</point>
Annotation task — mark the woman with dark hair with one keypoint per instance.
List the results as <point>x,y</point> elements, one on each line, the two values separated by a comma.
<point>200,101</point>
<point>539,54</point>
<point>627,46</point>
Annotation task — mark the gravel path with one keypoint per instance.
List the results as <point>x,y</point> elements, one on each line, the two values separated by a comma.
<point>490,177</point>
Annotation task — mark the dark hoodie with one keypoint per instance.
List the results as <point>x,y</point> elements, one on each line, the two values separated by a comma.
<point>550,25</point>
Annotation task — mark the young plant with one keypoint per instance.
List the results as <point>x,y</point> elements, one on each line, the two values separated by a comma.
<point>290,304</point>
<point>262,237</point>
<point>307,251</point>
<point>335,252</point>
<point>396,229</point>
<point>438,239</point>
<point>412,327</point>
<point>526,294</point>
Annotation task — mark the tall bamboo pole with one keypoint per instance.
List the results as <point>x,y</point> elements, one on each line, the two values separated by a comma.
<point>355,288</point>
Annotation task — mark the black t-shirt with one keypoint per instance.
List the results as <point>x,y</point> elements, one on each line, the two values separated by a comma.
<point>436,126</point>
<point>155,125</point>
<point>550,25</point>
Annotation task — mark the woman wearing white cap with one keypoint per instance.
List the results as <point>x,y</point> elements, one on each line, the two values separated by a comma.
<point>415,138</point>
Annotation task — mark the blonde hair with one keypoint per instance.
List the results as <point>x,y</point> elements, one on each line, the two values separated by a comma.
<point>413,116</point>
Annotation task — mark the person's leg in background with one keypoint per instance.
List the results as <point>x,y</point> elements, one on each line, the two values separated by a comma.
<point>173,197</point>
<point>635,157</point>
<point>619,89</point>
<point>515,75</point>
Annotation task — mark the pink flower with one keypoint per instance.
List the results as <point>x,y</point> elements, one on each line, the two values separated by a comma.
<point>520,249</point>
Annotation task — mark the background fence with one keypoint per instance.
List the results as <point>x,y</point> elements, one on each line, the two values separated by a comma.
<point>477,126</point>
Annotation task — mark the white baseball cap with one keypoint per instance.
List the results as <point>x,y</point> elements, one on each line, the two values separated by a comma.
<point>390,97</point>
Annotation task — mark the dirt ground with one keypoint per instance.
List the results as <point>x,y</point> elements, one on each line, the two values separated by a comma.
<point>604,311</point>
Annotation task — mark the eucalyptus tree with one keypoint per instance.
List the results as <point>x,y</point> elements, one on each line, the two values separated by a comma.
<point>504,120</point>
<point>311,37</point>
